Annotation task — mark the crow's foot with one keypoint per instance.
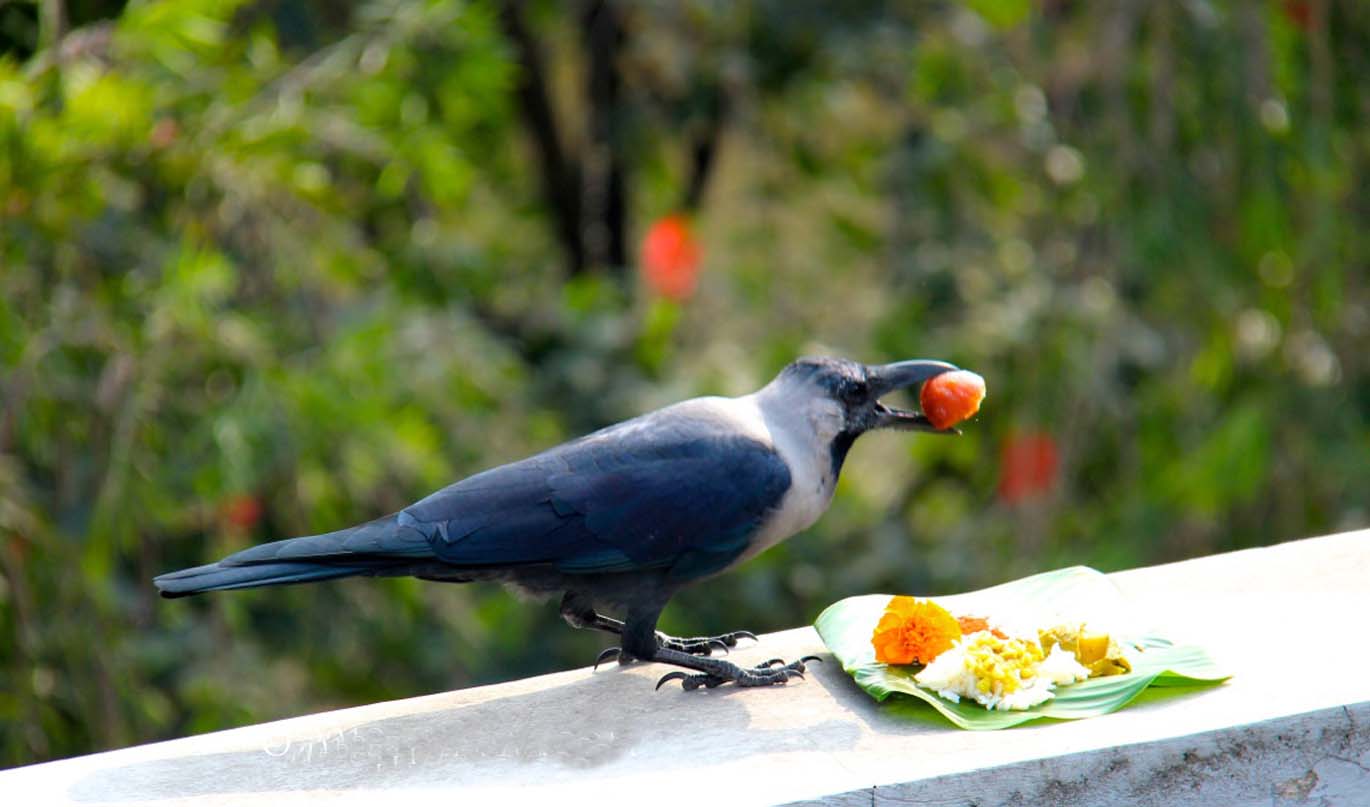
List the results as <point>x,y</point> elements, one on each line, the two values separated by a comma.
<point>703,645</point>
<point>694,646</point>
<point>771,673</point>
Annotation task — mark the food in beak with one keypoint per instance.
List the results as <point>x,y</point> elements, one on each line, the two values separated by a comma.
<point>951,397</point>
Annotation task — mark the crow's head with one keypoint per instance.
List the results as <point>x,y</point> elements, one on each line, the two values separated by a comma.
<point>840,398</point>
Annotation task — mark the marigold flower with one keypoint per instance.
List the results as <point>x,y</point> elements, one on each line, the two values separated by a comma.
<point>913,631</point>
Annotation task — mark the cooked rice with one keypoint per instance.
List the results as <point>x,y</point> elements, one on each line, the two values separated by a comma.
<point>999,673</point>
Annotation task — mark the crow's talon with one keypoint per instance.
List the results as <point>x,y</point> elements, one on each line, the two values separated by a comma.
<point>689,682</point>
<point>672,676</point>
<point>705,647</point>
<point>778,667</point>
<point>609,653</point>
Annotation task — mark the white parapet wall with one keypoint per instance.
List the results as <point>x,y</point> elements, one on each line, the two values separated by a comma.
<point>1291,727</point>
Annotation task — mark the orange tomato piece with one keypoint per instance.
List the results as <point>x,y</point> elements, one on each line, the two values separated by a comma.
<point>951,397</point>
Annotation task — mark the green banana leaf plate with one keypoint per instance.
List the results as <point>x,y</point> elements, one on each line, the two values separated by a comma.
<point>846,628</point>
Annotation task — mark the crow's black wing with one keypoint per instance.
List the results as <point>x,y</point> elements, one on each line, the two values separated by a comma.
<point>667,490</point>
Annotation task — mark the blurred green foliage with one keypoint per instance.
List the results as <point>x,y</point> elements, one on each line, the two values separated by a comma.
<point>267,269</point>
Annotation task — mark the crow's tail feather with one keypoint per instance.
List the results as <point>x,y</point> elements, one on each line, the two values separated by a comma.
<point>375,548</point>
<point>218,577</point>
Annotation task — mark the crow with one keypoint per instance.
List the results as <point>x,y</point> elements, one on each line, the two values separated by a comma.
<point>623,518</point>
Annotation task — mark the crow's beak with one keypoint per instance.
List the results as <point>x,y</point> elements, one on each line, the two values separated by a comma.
<point>886,378</point>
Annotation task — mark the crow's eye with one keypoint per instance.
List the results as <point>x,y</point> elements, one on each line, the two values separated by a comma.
<point>856,391</point>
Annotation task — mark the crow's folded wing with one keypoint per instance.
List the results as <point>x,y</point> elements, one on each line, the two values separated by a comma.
<point>681,493</point>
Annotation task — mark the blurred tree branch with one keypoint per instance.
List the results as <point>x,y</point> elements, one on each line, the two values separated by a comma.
<point>560,173</point>
<point>606,206</point>
<point>704,145</point>
<point>586,186</point>
<point>52,23</point>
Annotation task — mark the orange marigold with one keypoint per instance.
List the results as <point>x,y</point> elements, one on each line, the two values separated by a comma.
<point>913,630</point>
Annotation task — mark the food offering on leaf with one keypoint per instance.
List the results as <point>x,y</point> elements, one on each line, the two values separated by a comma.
<point>970,657</point>
<point>951,397</point>
<point>1060,645</point>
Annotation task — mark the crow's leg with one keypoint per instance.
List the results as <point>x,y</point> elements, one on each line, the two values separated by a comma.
<point>579,613</point>
<point>640,641</point>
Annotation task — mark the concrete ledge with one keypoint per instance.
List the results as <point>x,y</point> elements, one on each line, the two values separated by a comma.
<point>1319,758</point>
<point>1291,727</point>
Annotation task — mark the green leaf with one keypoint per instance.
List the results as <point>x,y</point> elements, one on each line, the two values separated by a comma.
<point>846,628</point>
<point>1002,14</point>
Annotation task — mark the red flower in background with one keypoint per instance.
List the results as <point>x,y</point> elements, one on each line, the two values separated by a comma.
<point>164,133</point>
<point>1027,466</point>
<point>670,258</point>
<point>242,511</point>
<point>1300,13</point>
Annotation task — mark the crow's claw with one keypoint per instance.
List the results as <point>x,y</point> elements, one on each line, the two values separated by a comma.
<point>687,681</point>
<point>608,653</point>
<point>690,682</point>
<point>671,676</point>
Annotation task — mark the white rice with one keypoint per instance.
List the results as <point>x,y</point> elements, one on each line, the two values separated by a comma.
<point>1000,673</point>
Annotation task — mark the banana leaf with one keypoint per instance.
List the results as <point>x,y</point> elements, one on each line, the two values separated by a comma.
<point>1079,592</point>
